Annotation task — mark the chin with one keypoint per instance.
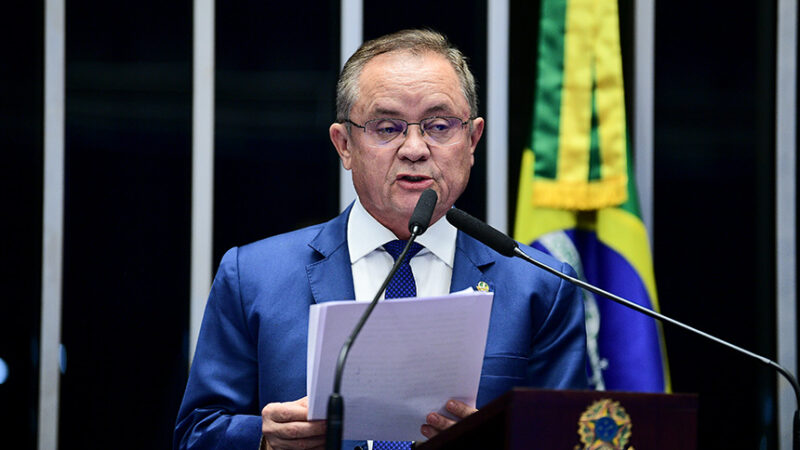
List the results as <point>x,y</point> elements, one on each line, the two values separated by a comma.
<point>404,212</point>
<point>408,205</point>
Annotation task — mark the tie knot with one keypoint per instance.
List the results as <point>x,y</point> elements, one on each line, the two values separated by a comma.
<point>396,246</point>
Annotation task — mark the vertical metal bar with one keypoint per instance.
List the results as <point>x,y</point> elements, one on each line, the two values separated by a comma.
<point>785,210</point>
<point>202,166</point>
<point>351,35</point>
<point>644,26</point>
<point>497,113</point>
<point>53,224</point>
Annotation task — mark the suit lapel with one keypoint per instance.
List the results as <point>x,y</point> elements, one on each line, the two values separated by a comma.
<point>471,261</point>
<point>331,278</point>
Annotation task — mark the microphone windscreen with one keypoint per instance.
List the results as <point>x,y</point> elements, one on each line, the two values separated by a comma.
<point>421,217</point>
<point>481,231</point>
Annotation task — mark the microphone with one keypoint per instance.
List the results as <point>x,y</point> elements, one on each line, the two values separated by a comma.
<point>417,224</point>
<point>421,217</point>
<point>503,244</point>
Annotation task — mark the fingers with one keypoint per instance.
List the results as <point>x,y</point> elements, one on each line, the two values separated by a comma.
<point>287,411</point>
<point>285,426</point>
<point>459,409</point>
<point>293,430</point>
<point>299,444</point>
<point>436,423</point>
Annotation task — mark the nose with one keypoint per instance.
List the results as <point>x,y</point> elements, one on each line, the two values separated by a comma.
<point>414,147</point>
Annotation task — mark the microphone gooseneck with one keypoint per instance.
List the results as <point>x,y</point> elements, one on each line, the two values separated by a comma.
<point>417,224</point>
<point>506,246</point>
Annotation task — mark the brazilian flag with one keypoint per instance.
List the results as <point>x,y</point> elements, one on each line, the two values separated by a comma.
<point>577,196</point>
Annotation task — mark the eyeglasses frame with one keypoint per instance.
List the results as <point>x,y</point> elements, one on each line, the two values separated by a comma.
<point>408,124</point>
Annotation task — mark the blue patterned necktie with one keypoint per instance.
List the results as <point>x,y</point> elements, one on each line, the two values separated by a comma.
<point>402,285</point>
<point>391,445</point>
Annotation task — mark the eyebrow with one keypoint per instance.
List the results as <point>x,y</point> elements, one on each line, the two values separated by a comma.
<point>431,111</point>
<point>439,109</point>
<point>386,112</point>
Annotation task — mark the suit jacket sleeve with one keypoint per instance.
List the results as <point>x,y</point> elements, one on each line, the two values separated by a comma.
<point>558,358</point>
<point>219,408</point>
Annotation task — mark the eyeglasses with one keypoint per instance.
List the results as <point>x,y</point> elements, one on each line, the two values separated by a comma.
<point>435,130</point>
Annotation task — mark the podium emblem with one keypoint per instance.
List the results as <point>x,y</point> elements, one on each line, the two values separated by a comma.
<point>604,426</point>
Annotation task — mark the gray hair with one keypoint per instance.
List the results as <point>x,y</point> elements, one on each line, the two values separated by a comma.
<point>417,42</point>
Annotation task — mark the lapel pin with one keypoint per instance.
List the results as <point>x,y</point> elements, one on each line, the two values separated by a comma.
<point>482,286</point>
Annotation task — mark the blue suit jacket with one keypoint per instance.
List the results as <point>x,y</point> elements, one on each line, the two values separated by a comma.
<point>252,345</point>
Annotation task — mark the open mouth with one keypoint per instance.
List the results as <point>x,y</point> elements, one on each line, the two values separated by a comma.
<point>412,178</point>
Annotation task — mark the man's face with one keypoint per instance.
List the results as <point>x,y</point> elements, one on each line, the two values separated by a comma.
<point>390,179</point>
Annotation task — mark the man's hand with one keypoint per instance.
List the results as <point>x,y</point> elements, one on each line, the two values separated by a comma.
<point>285,426</point>
<point>437,422</point>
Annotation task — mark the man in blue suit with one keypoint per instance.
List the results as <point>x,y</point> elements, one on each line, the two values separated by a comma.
<point>406,121</point>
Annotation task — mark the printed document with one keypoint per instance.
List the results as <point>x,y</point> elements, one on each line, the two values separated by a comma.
<point>410,358</point>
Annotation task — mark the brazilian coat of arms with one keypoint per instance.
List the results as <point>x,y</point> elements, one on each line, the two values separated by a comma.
<point>604,426</point>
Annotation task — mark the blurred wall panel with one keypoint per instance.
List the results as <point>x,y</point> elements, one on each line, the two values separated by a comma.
<point>21,172</point>
<point>714,214</point>
<point>275,167</point>
<point>127,224</point>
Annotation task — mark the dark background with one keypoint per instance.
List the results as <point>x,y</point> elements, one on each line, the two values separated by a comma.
<point>128,189</point>
<point>21,178</point>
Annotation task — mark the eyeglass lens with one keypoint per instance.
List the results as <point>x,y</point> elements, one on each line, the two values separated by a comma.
<point>440,130</point>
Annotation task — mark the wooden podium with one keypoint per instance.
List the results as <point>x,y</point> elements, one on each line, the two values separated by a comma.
<point>543,419</point>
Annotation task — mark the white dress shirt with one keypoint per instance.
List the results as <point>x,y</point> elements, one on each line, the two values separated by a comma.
<point>432,266</point>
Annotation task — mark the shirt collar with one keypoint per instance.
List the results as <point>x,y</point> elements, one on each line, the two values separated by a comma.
<point>365,234</point>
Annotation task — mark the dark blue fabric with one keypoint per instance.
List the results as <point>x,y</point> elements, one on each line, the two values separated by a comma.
<point>402,284</point>
<point>391,445</point>
<point>252,345</point>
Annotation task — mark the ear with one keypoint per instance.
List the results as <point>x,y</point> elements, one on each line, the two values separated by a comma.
<point>475,134</point>
<point>341,140</point>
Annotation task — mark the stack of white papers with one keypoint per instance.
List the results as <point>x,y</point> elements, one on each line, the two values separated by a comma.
<point>410,358</point>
